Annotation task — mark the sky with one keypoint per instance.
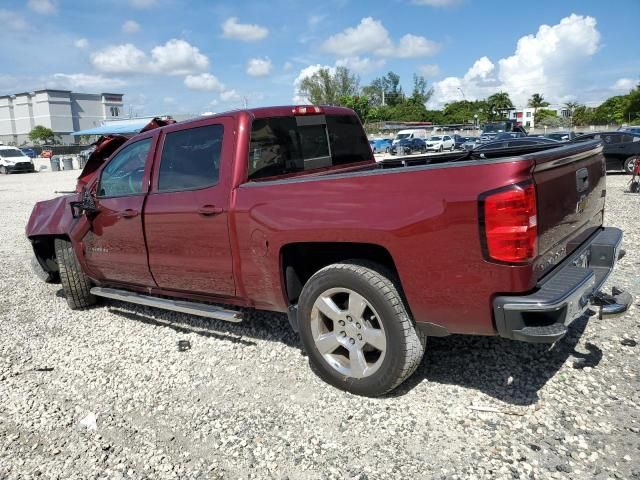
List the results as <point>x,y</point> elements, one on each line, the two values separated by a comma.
<point>196,56</point>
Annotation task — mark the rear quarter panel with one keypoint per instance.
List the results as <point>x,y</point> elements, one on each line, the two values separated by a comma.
<point>426,217</point>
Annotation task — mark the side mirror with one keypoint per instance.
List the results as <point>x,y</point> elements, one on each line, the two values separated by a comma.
<point>86,206</point>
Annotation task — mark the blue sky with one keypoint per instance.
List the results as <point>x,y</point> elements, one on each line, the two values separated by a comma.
<point>204,55</point>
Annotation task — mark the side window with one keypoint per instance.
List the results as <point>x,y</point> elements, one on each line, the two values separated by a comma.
<point>191,158</point>
<point>124,172</point>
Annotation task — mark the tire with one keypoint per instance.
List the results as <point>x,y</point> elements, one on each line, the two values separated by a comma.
<point>75,283</point>
<point>349,363</point>
<point>629,165</point>
<point>3,170</point>
<point>441,149</point>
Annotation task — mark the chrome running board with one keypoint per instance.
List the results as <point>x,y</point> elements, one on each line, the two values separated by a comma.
<point>193,308</point>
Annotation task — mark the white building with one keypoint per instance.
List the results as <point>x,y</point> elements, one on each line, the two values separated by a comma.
<point>525,116</point>
<point>62,111</point>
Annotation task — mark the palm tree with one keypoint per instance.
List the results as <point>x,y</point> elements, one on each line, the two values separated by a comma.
<point>537,101</point>
<point>499,103</point>
<point>571,106</point>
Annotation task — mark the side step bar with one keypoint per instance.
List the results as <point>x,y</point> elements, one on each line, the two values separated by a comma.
<point>193,308</point>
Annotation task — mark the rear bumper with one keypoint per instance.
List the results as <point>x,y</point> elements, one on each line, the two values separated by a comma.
<point>564,294</point>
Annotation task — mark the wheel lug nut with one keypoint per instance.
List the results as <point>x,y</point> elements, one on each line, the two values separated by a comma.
<point>358,325</point>
<point>359,337</point>
<point>341,323</point>
<point>343,334</point>
<point>349,318</point>
<point>352,341</point>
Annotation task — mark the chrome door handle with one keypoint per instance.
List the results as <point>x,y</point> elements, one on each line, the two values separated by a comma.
<point>129,213</point>
<point>209,210</point>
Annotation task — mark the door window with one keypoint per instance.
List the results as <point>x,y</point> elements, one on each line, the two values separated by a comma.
<point>191,159</point>
<point>124,173</point>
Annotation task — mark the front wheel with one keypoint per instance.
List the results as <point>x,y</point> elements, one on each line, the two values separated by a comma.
<point>75,283</point>
<point>356,329</point>
<point>441,149</point>
<point>4,170</point>
<point>630,164</point>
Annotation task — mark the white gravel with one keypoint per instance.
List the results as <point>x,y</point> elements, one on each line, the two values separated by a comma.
<point>106,393</point>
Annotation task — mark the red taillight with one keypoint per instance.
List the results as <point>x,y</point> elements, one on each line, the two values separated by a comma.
<point>307,110</point>
<point>510,221</point>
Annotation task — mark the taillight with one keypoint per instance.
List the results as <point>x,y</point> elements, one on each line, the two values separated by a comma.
<point>509,224</point>
<point>307,110</point>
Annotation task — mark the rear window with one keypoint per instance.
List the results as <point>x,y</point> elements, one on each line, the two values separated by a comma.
<point>281,145</point>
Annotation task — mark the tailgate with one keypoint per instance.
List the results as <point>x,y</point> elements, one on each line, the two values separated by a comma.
<point>570,185</point>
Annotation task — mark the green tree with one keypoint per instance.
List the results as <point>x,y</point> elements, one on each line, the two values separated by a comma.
<point>41,134</point>
<point>537,101</point>
<point>548,118</point>
<point>360,104</point>
<point>632,110</point>
<point>499,105</point>
<point>465,111</point>
<point>385,90</point>
<point>420,94</point>
<point>612,110</point>
<point>326,88</point>
<point>582,115</point>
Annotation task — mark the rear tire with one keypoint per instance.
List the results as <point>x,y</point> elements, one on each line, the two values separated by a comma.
<point>629,165</point>
<point>348,361</point>
<point>76,285</point>
<point>4,170</point>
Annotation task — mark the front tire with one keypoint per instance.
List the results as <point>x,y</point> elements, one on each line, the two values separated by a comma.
<point>356,329</point>
<point>441,149</point>
<point>4,170</point>
<point>629,165</point>
<point>76,285</point>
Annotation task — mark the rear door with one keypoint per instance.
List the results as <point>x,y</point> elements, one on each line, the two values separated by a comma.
<point>571,186</point>
<point>186,213</point>
<point>114,246</point>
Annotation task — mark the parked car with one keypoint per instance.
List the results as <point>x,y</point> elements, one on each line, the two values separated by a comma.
<point>630,129</point>
<point>508,135</point>
<point>620,148</point>
<point>439,143</point>
<point>407,146</point>
<point>13,160</point>
<point>29,152</point>
<point>458,141</point>
<point>367,259</point>
<point>470,143</point>
<point>380,145</point>
<point>409,134</point>
<point>561,136</point>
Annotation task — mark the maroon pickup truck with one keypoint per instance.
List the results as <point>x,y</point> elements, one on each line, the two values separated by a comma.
<point>285,209</point>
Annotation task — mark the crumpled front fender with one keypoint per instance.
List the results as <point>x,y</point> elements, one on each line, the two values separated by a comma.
<point>51,217</point>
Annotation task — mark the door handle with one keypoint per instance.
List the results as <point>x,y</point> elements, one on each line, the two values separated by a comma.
<point>209,210</point>
<point>129,213</point>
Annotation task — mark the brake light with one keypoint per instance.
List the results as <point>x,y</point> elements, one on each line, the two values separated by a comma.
<point>509,220</point>
<point>307,110</point>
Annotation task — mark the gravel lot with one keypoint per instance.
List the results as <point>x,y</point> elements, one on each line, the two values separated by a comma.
<point>107,392</point>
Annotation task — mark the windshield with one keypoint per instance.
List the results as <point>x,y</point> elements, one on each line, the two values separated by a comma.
<point>11,152</point>
<point>400,136</point>
<point>495,127</point>
<point>435,139</point>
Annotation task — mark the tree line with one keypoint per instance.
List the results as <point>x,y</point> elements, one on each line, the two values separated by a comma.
<point>384,99</point>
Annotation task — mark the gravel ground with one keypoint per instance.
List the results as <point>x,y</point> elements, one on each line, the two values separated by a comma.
<point>107,392</point>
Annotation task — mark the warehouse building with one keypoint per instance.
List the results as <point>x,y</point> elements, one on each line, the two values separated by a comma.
<point>62,111</point>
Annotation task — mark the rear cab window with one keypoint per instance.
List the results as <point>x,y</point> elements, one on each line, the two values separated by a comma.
<point>293,144</point>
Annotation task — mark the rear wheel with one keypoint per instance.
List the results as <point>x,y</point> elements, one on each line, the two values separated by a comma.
<point>441,149</point>
<point>3,170</point>
<point>356,329</point>
<point>75,283</point>
<point>629,164</point>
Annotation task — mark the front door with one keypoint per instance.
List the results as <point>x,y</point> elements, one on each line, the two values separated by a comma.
<point>114,246</point>
<point>185,216</point>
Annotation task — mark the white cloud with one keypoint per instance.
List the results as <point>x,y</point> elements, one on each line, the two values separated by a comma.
<point>82,81</point>
<point>548,62</point>
<point>361,65</point>
<point>287,66</point>
<point>428,70</point>
<point>81,43</point>
<point>13,20</point>
<point>243,31</point>
<point>176,57</point>
<point>125,58</point>
<point>43,7</point>
<point>141,4</point>
<point>204,82</point>
<point>625,84</point>
<point>130,26</point>
<point>315,20</point>
<point>259,67</point>
<point>229,96</point>
<point>370,36</point>
<point>438,3</point>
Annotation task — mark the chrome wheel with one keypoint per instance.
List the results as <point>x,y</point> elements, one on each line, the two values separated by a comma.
<point>348,333</point>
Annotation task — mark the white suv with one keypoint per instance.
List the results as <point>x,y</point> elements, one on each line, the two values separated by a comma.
<point>13,159</point>
<point>439,143</point>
